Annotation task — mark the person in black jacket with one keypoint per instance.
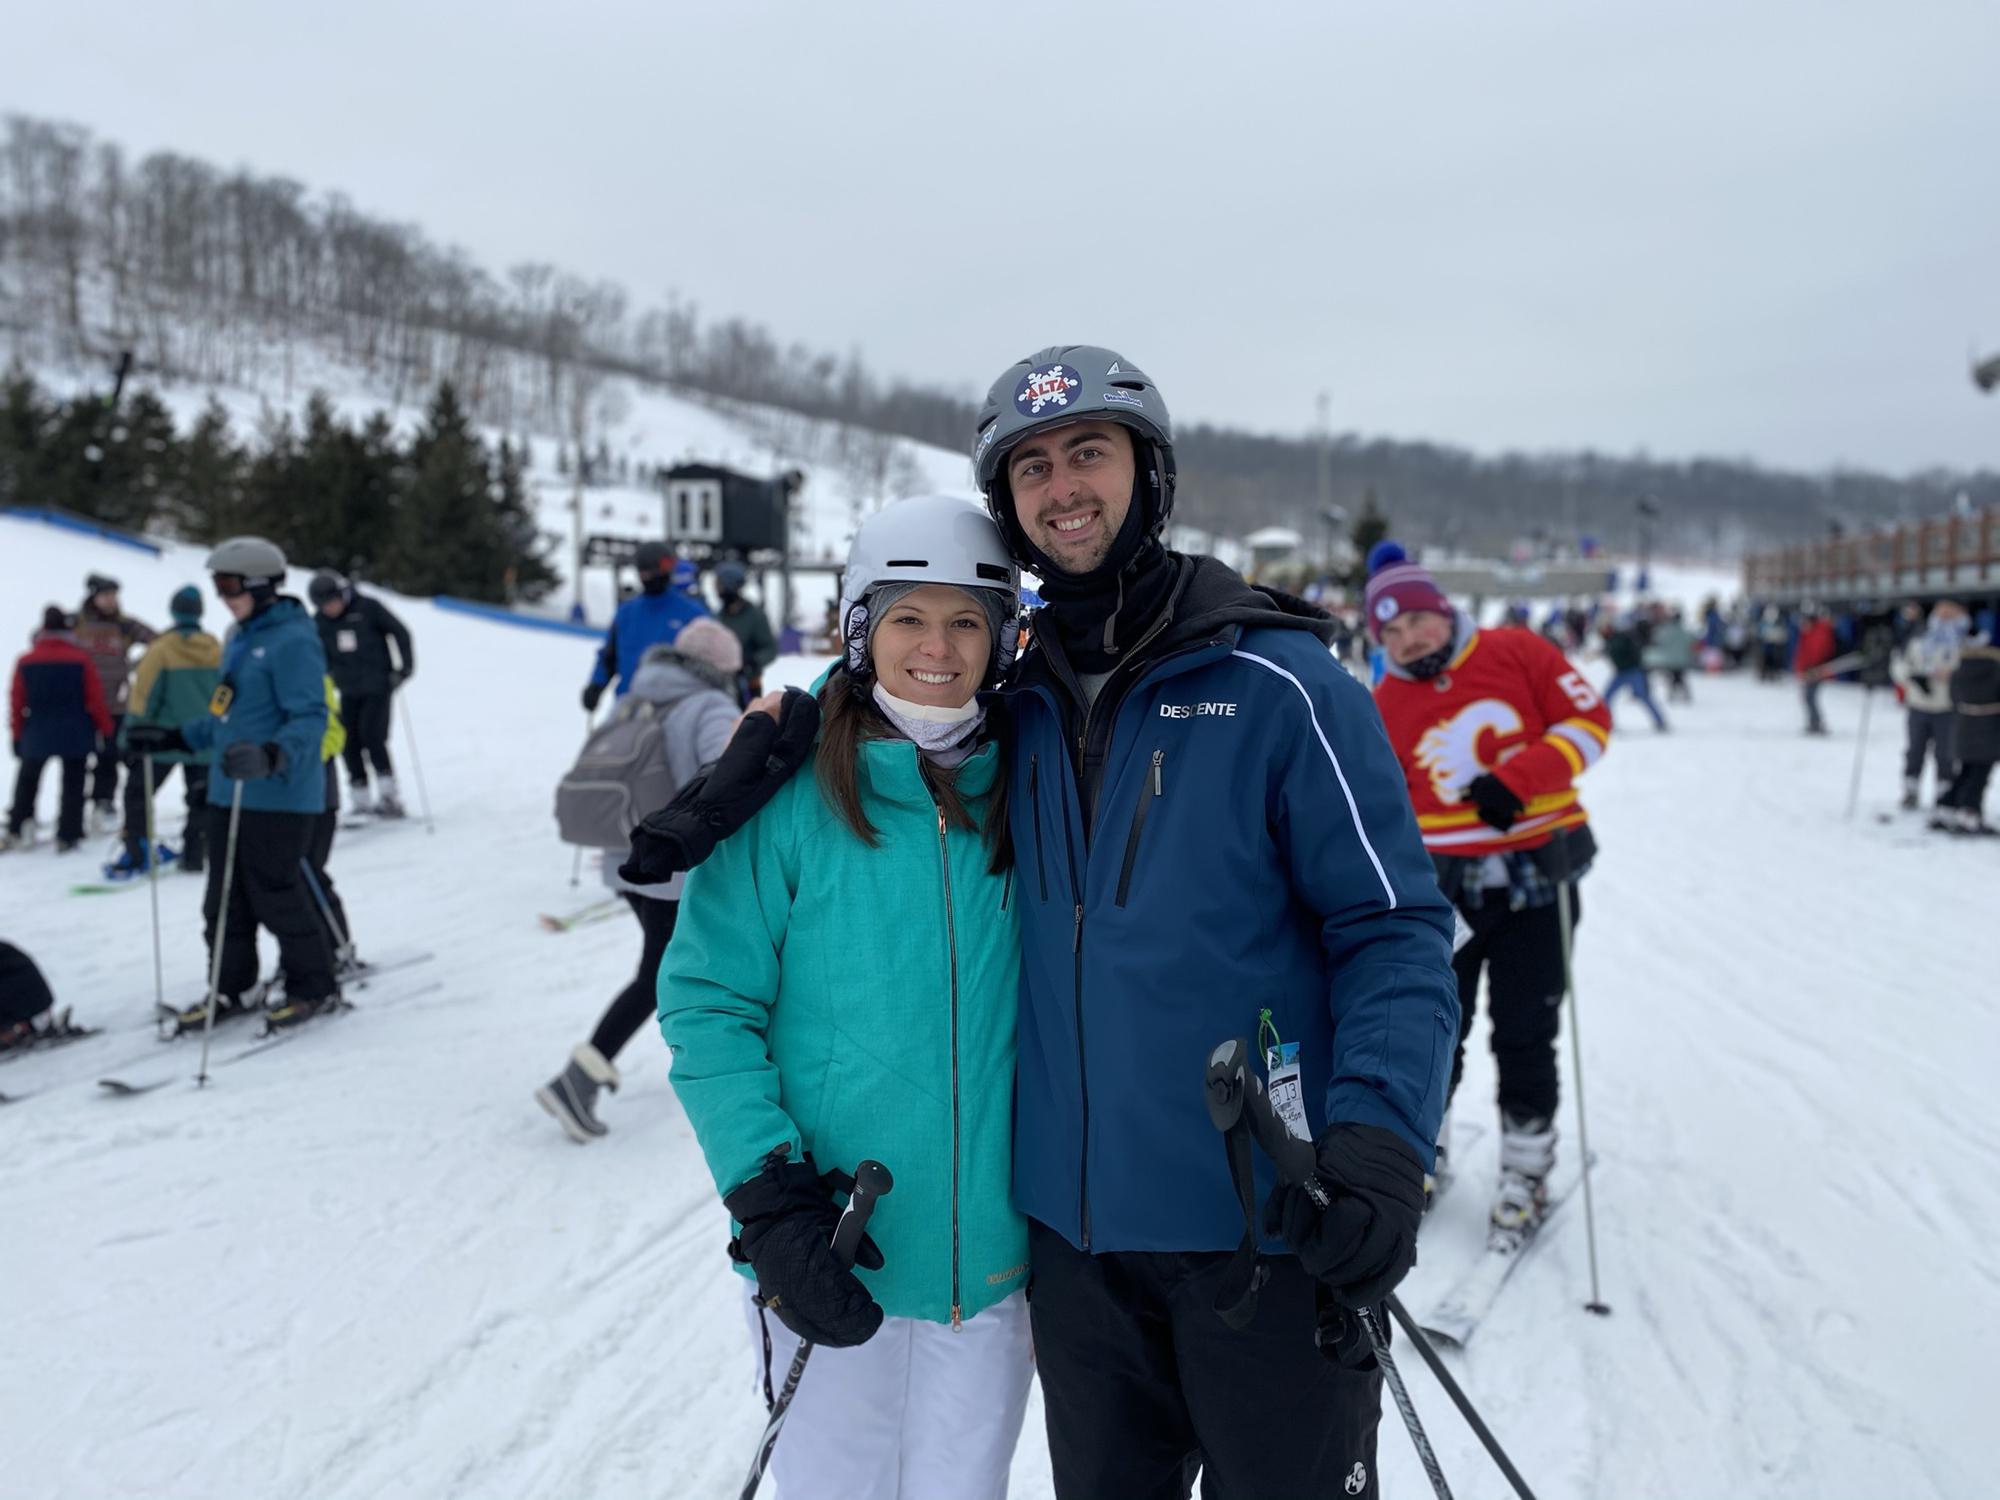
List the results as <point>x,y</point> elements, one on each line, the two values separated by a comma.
<point>356,631</point>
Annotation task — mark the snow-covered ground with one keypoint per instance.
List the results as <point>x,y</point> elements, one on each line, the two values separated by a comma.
<point>366,1265</point>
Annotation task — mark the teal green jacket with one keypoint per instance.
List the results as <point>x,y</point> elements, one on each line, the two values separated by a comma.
<point>857,1002</point>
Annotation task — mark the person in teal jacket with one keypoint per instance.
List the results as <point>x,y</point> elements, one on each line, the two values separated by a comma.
<point>843,986</point>
<point>264,725</point>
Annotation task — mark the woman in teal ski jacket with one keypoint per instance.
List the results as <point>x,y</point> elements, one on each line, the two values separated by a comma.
<point>843,986</point>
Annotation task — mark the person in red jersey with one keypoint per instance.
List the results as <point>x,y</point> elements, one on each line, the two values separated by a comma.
<point>1492,728</point>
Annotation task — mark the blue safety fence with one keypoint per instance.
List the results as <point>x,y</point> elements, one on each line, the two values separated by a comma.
<point>506,616</point>
<point>64,521</point>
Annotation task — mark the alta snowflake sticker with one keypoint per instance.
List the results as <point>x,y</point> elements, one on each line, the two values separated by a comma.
<point>1044,388</point>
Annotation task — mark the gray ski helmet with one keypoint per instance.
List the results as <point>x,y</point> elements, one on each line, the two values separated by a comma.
<point>325,585</point>
<point>1062,384</point>
<point>931,539</point>
<point>251,558</point>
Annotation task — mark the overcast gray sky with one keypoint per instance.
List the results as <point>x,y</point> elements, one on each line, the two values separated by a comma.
<point>1733,227</point>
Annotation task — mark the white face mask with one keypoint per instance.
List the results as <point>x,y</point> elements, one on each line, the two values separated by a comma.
<point>928,726</point>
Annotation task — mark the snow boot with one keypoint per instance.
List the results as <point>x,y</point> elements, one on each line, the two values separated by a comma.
<point>18,838</point>
<point>569,1095</point>
<point>1909,802</point>
<point>1527,1156</point>
<point>105,818</point>
<point>388,804</point>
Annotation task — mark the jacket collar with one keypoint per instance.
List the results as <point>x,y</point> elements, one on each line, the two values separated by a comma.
<point>889,769</point>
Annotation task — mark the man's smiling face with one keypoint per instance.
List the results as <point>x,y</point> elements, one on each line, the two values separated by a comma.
<point>1072,486</point>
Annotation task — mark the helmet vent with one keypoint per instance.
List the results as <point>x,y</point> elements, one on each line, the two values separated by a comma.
<point>996,573</point>
<point>907,562</point>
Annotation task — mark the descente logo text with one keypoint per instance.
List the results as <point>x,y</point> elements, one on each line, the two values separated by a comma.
<point>1196,710</point>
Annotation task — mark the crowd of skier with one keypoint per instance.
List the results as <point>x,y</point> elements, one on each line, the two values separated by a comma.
<point>936,913</point>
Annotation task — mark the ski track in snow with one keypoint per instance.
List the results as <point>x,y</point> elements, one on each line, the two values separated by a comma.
<point>367,1265</point>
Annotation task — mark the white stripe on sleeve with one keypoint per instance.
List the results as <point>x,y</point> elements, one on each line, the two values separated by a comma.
<point>1338,774</point>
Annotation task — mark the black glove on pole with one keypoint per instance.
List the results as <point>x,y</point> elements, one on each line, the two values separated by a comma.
<point>154,739</point>
<point>760,757</point>
<point>244,761</point>
<point>1365,1240</point>
<point>789,1217</point>
<point>1497,804</point>
<point>592,691</point>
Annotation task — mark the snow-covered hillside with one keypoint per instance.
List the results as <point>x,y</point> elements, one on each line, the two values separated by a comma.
<point>366,1265</point>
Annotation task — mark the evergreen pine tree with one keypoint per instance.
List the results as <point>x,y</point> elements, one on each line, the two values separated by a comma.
<point>24,420</point>
<point>205,500</point>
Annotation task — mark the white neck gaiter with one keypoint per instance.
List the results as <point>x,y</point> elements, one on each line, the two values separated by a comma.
<point>938,732</point>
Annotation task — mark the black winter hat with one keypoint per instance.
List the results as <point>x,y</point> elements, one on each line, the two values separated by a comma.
<point>53,618</point>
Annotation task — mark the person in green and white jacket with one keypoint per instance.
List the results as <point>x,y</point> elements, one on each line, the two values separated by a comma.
<point>843,986</point>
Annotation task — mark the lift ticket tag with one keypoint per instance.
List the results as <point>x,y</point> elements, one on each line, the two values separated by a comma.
<point>1288,1096</point>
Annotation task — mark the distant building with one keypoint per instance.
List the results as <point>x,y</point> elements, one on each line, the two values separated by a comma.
<point>711,509</point>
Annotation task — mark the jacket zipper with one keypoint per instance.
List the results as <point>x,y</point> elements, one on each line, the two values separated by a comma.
<point>1146,800</point>
<point>1082,1063</point>
<point>951,939</point>
<point>1035,799</point>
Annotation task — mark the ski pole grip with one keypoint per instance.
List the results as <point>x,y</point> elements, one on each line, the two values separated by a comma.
<point>871,1181</point>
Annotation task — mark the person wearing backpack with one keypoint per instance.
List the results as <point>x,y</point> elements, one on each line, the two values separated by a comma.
<point>676,718</point>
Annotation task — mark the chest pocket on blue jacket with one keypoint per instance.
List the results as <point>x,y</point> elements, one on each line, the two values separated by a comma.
<point>1151,792</point>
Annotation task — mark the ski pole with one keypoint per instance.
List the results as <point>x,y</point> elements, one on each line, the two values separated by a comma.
<point>1458,1396</point>
<point>1236,1097</point>
<point>153,879</point>
<point>221,932</point>
<point>346,945</point>
<point>417,764</point>
<point>1596,1304</point>
<point>871,1181</point>
<point>1860,750</point>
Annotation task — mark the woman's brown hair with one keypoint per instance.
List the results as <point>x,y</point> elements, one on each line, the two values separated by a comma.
<point>847,716</point>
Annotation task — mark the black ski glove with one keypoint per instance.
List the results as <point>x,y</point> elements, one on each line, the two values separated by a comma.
<point>788,1217</point>
<point>760,757</point>
<point>1498,806</point>
<point>1366,1239</point>
<point>244,761</point>
<point>154,739</point>
<point>592,691</point>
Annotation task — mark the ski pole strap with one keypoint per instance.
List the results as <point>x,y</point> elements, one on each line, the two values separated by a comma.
<point>1246,1273</point>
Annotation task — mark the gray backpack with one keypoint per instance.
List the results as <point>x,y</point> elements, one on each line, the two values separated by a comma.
<point>621,776</point>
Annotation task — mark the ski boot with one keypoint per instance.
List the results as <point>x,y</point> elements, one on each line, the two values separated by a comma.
<point>360,799</point>
<point>283,1012</point>
<point>387,803</point>
<point>570,1094</point>
<point>105,818</point>
<point>50,1029</point>
<point>125,867</point>
<point>1527,1155</point>
<point>18,838</point>
<point>1909,802</point>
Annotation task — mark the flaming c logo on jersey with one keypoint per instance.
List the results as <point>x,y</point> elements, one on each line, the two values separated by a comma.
<point>1449,752</point>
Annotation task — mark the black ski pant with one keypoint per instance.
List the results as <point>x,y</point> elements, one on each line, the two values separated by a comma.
<point>639,1001</point>
<point>366,716</point>
<point>1968,787</point>
<point>1930,733</point>
<point>1521,954</point>
<point>319,849</point>
<point>195,840</point>
<point>104,770</point>
<point>24,994</point>
<point>266,888</point>
<point>1678,690</point>
<point>1145,1385</point>
<point>28,786</point>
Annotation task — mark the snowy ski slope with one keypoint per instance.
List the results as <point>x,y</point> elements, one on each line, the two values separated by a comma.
<point>367,1266</point>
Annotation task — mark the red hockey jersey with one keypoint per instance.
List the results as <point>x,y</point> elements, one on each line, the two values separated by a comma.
<point>1509,703</point>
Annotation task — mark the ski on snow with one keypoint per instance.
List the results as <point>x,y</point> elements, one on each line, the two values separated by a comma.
<point>1456,1316</point>
<point>597,911</point>
<point>265,1042</point>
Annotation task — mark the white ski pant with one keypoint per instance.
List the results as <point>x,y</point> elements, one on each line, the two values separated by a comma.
<point>916,1413</point>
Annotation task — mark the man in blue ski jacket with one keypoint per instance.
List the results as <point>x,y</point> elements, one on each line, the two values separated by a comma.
<point>265,725</point>
<point>1212,841</point>
<point>650,618</point>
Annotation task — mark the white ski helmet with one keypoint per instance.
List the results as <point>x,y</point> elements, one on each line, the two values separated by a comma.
<point>259,563</point>
<point>930,539</point>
